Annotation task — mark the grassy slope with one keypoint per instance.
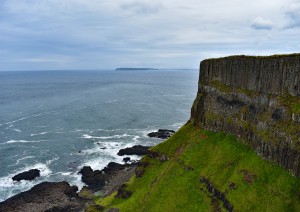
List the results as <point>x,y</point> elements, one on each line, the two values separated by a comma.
<point>174,186</point>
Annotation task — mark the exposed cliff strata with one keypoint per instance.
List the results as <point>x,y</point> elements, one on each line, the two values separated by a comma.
<point>257,99</point>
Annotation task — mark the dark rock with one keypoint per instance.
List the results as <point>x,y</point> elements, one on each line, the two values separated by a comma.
<point>114,165</point>
<point>278,114</point>
<point>99,207</point>
<point>85,193</point>
<point>135,150</point>
<point>232,186</point>
<point>140,169</point>
<point>97,179</point>
<point>123,193</point>
<point>216,193</point>
<point>94,179</point>
<point>157,156</point>
<point>161,133</point>
<point>45,196</point>
<point>126,160</point>
<point>28,175</point>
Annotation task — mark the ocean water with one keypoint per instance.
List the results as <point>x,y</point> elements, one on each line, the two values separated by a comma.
<point>59,121</point>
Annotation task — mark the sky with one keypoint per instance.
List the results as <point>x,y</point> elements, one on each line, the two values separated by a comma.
<point>106,34</point>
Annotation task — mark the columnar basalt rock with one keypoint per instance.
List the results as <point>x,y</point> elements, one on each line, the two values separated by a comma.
<point>255,98</point>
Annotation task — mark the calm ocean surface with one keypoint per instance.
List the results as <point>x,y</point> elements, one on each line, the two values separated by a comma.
<point>59,121</point>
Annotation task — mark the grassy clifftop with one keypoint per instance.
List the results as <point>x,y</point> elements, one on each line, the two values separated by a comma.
<point>200,164</point>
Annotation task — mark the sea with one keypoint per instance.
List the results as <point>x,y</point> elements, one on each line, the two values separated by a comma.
<point>60,121</point>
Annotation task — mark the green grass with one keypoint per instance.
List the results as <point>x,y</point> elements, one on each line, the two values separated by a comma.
<point>174,185</point>
<point>221,86</point>
<point>292,102</point>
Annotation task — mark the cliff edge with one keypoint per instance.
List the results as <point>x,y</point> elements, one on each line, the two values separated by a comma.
<point>255,98</point>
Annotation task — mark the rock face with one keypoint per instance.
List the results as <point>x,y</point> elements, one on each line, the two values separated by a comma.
<point>28,175</point>
<point>161,133</point>
<point>135,150</point>
<point>258,100</point>
<point>45,196</point>
<point>99,179</point>
<point>92,178</point>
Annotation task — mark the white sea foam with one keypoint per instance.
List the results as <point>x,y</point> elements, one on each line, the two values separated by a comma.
<point>17,130</point>
<point>115,100</point>
<point>87,136</point>
<point>48,162</point>
<point>8,187</point>
<point>21,159</point>
<point>177,125</point>
<point>21,141</point>
<point>135,138</point>
<point>42,133</point>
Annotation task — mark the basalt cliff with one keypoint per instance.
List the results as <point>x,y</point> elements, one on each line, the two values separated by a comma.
<point>255,98</point>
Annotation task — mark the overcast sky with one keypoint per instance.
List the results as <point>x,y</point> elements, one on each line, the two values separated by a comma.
<point>105,34</point>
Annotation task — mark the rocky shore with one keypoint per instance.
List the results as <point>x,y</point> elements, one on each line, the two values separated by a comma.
<point>61,196</point>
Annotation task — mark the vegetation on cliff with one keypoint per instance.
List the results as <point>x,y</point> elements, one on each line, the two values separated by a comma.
<point>200,162</point>
<point>256,99</point>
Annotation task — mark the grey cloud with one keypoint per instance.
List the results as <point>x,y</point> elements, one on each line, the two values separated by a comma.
<point>294,16</point>
<point>260,23</point>
<point>142,7</point>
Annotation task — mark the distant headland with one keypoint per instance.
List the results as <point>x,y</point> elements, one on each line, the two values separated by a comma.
<point>135,69</point>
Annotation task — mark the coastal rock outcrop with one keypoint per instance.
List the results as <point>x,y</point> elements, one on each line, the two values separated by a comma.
<point>255,98</point>
<point>112,176</point>
<point>161,133</point>
<point>27,175</point>
<point>93,179</point>
<point>46,196</point>
<point>135,150</point>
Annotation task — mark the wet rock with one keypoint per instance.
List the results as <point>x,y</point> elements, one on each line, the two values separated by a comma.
<point>46,196</point>
<point>135,150</point>
<point>27,175</point>
<point>126,160</point>
<point>98,179</point>
<point>112,167</point>
<point>94,179</point>
<point>161,133</point>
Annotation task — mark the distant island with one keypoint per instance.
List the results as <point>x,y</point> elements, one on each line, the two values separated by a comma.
<point>135,69</point>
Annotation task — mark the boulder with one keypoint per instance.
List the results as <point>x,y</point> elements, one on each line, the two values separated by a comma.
<point>94,179</point>
<point>27,175</point>
<point>135,150</point>
<point>126,159</point>
<point>161,133</point>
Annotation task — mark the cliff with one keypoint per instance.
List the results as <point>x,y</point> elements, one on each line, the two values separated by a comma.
<point>258,100</point>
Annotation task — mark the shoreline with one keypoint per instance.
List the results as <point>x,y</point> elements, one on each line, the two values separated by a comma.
<point>61,196</point>
<point>47,196</point>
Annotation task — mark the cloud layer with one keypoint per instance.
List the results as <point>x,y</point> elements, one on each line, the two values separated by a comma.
<point>80,34</point>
